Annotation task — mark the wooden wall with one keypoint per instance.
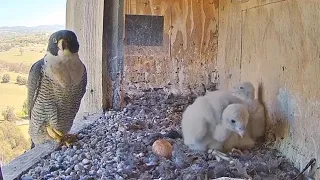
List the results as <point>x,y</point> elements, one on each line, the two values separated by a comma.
<point>85,18</point>
<point>187,57</point>
<point>276,43</point>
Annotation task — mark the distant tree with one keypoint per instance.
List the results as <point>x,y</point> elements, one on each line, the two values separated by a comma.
<point>18,79</point>
<point>9,115</point>
<point>21,80</point>
<point>6,78</point>
<point>25,107</point>
<point>21,51</point>
<point>12,141</point>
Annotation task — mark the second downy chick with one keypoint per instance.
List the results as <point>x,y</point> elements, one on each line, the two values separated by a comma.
<point>246,92</point>
<point>208,122</point>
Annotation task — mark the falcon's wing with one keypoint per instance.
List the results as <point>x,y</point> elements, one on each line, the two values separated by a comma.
<point>34,82</point>
<point>84,81</point>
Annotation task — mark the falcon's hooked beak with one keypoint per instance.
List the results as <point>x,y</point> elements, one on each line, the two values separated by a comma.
<point>64,46</point>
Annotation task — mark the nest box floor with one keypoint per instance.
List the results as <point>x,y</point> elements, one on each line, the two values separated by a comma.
<point>119,146</point>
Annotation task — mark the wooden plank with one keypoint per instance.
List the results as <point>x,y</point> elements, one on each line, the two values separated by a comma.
<point>280,48</point>
<point>194,41</point>
<point>1,177</point>
<point>187,58</point>
<point>24,162</point>
<point>229,43</point>
<point>85,18</point>
<point>145,66</point>
<point>257,3</point>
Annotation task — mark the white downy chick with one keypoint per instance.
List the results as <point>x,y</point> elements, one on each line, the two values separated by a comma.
<point>195,122</point>
<point>200,119</point>
<point>256,125</point>
<point>234,121</point>
<point>257,120</point>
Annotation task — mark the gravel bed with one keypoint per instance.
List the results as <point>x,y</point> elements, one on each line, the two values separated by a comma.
<point>118,146</point>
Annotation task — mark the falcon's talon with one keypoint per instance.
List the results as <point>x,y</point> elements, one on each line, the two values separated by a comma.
<point>54,134</point>
<point>69,139</point>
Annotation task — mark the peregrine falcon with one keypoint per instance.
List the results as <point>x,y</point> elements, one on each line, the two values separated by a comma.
<point>56,85</point>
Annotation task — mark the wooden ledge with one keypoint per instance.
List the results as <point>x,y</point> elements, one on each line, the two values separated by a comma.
<point>21,164</point>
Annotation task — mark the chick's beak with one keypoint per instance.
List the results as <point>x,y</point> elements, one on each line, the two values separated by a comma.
<point>241,131</point>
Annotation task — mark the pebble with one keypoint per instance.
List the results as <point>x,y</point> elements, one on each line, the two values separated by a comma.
<point>85,161</point>
<point>68,170</point>
<point>78,167</point>
<point>108,149</point>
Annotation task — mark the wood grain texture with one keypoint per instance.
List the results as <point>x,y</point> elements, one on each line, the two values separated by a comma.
<point>187,57</point>
<point>229,43</point>
<point>280,49</point>
<point>85,18</point>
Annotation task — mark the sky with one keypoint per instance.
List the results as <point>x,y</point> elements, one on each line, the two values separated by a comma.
<point>32,12</point>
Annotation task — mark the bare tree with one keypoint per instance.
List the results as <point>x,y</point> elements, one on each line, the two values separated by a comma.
<point>21,51</point>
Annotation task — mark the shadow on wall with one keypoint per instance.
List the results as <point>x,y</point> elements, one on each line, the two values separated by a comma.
<point>280,116</point>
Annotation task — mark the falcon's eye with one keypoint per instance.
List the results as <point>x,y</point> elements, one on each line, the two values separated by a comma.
<point>54,40</point>
<point>233,121</point>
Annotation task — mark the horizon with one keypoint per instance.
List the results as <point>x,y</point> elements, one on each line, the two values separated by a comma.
<point>35,26</point>
<point>32,13</point>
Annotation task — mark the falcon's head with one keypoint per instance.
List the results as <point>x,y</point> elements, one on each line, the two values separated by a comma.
<point>63,42</point>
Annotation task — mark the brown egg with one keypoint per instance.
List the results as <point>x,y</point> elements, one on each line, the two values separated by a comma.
<point>162,148</point>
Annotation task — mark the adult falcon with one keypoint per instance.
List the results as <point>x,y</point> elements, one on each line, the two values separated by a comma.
<point>56,85</point>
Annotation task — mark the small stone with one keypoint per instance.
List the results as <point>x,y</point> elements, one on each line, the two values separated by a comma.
<point>60,159</point>
<point>78,167</point>
<point>68,177</point>
<point>55,173</point>
<point>64,148</point>
<point>121,129</point>
<point>85,161</point>
<point>88,156</point>
<point>26,178</point>
<point>99,172</point>
<point>68,170</point>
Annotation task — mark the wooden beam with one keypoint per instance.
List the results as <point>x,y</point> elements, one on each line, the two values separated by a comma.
<point>113,29</point>
<point>1,177</point>
<point>85,18</point>
<point>24,162</point>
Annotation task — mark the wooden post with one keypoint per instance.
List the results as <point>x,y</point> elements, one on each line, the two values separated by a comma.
<point>89,29</point>
<point>1,177</point>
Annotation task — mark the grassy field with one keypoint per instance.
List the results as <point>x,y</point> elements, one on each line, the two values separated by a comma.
<point>12,94</point>
<point>29,54</point>
<point>24,130</point>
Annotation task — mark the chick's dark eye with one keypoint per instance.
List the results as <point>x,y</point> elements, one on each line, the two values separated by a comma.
<point>233,121</point>
<point>240,87</point>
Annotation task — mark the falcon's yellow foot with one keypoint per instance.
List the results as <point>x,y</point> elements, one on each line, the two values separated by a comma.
<point>69,139</point>
<point>55,134</point>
